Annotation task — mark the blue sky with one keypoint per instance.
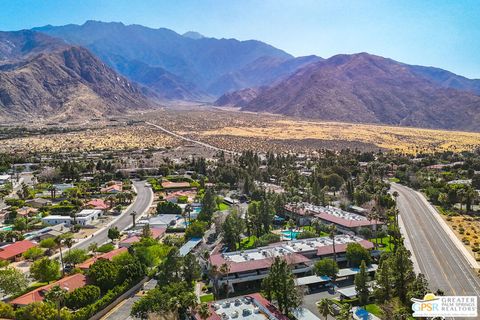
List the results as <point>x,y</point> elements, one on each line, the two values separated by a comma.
<point>439,33</point>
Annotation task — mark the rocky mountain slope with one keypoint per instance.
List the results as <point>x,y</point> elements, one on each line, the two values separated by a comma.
<point>204,66</point>
<point>367,88</point>
<point>41,77</point>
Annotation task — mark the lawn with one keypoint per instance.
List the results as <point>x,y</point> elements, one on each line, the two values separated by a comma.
<point>247,243</point>
<point>383,243</point>
<point>374,309</point>
<point>312,229</point>
<point>222,206</point>
<point>394,179</point>
<point>206,298</point>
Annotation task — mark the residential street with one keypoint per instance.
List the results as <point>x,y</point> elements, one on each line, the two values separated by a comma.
<point>438,258</point>
<point>142,202</point>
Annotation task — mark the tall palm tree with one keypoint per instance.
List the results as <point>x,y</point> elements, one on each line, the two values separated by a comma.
<point>203,311</point>
<point>324,307</point>
<point>59,244</point>
<point>133,214</point>
<point>215,273</point>
<point>57,296</point>
<point>332,233</point>
<point>225,270</point>
<point>68,241</point>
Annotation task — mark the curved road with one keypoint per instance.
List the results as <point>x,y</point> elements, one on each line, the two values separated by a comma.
<point>206,145</point>
<point>141,204</point>
<point>439,259</point>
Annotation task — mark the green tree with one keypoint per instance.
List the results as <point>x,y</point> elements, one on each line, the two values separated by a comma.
<point>324,307</point>
<point>403,275</point>
<point>418,288</point>
<point>383,279</point>
<point>82,297</point>
<point>113,234</point>
<point>56,295</point>
<point>174,300</point>
<point>191,269</point>
<point>232,229</point>
<point>12,281</point>
<point>335,182</point>
<point>326,267</point>
<point>196,229</point>
<point>203,311</point>
<point>6,311</point>
<point>169,270</point>
<point>279,286</point>
<point>75,256</point>
<point>48,243</point>
<point>45,270</point>
<point>104,274</point>
<point>356,254</point>
<point>41,311</point>
<point>168,207</point>
<point>344,312</point>
<point>130,267</point>
<point>361,285</point>
<point>33,253</point>
<point>209,206</point>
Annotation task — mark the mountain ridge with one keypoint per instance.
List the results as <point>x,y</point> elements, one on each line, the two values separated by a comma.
<point>369,89</point>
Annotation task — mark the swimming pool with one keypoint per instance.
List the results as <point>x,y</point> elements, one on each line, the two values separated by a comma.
<point>290,234</point>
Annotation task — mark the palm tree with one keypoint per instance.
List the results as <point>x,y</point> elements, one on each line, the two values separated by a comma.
<point>324,307</point>
<point>57,295</point>
<point>53,191</point>
<point>188,210</point>
<point>93,247</point>
<point>133,214</point>
<point>59,243</point>
<point>68,241</point>
<point>214,273</point>
<point>332,233</point>
<point>225,270</point>
<point>203,311</point>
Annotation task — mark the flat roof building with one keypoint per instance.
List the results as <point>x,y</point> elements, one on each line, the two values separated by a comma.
<point>249,307</point>
<point>249,266</point>
<point>344,220</point>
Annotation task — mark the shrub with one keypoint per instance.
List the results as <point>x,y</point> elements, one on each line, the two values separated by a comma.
<point>82,297</point>
<point>107,247</point>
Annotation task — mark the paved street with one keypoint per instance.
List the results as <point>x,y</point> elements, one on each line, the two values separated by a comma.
<point>141,204</point>
<point>438,258</point>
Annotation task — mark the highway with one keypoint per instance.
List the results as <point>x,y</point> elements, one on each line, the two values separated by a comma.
<point>206,145</point>
<point>142,202</point>
<point>438,258</point>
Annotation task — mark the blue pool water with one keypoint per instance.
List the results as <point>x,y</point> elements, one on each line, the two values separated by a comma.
<point>289,234</point>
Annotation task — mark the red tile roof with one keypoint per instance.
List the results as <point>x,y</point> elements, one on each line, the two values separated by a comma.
<point>218,260</point>
<point>97,204</point>
<point>70,283</point>
<point>108,255</point>
<point>340,248</point>
<point>347,222</point>
<point>172,185</point>
<point>157,233</point>
<point>112,188</point>
<point>15,249</point>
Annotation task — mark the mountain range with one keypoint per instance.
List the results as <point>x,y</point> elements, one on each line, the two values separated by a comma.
<point>42,76</point>
<point>188,66</point>
<point>369,89</point>
<point>97,69</point>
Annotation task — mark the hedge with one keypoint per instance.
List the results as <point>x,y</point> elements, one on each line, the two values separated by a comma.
<point>112,294</point>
